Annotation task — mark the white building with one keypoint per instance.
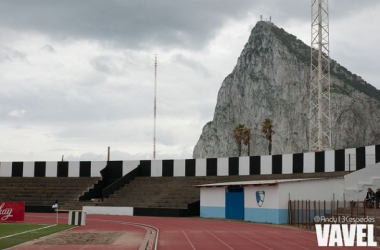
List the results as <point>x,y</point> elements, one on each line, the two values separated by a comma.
<point>264,201</point>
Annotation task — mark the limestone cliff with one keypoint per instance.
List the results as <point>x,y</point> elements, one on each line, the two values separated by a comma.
<point>271,79</point>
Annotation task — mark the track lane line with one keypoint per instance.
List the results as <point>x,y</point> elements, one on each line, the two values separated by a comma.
<point>198,228</point>
<point>247,238</point>
<point>272,237</point>
<point>317,241</point>
<point>27,231</point>
<point>220,240</point>
<point>203,229</point>
<point>251,240</point>
<point>285,241</point>
<point>191,244</point>
<point>213,226</point>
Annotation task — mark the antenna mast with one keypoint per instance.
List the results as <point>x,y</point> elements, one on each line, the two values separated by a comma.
<point>320,112</point>
<point>155,106</point>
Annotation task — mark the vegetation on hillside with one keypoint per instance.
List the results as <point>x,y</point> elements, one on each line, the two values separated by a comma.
<point>302,52</point>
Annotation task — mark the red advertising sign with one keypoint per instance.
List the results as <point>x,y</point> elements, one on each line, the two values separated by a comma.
<point>12,211</point>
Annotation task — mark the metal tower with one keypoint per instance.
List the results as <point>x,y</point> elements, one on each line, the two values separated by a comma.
<point>155,107</point>
<point>320,114</point>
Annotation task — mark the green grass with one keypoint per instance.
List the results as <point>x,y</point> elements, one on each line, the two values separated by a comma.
<point>7,229</point>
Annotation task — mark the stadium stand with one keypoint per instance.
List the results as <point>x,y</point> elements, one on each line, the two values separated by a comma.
<point>40,193</point>
<point>174,196</point>
<point>150,185</point>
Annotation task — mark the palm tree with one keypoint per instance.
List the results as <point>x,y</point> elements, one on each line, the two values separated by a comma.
<point>267,129</point>
<point>239,135</point>
<point>242,135</point>
<point>247,139</point>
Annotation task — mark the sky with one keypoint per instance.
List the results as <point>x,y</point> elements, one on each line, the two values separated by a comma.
<point>78,76</point>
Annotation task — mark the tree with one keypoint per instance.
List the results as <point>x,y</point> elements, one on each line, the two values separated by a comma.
<point>247,139</point>
<point>267,130</point>
<point>242,135</point>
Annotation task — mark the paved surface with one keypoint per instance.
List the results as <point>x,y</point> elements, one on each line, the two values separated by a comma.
<point>182,234</point>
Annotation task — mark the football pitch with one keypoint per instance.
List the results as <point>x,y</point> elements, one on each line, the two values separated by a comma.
<point>12,234</point>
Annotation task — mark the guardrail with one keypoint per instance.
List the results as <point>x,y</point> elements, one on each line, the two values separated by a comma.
<point>305,213</point>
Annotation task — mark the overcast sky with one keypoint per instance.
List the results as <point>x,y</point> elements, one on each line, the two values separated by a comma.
<point>78,76</point>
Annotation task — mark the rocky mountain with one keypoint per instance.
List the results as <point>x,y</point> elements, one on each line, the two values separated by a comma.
<point>271,79</point>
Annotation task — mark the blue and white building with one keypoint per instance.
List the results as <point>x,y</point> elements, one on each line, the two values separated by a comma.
<point>264,201</point>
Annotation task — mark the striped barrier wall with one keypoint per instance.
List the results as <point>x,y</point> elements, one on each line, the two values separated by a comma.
<point>77,218</point>
<point>326,161</point>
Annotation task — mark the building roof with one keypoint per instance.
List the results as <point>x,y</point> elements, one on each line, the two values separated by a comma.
<point>259,183</point>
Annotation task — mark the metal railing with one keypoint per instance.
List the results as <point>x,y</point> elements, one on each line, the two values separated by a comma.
<point>305,213</point>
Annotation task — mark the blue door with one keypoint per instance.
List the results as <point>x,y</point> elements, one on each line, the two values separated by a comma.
<point>235,203</point>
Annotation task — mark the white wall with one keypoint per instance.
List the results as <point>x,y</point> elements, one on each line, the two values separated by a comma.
<point>287,164</point>
<point>270,200</point>
<point>266,164</point>
<point>330,161</point>
<point>244,165</point>
<point>51,168</point>
<point>309,162</point>
<point>350,159</point>
<point>73,168</point>
<point>370,155</point>
<point>356,183</point>
<point>28,169</point>
<point>222,167</point>
<point>323,189</point>
<point>128,166</point>
<point>213,197</point>
<point>108,210</point>
<point>96,167</point>
<point>6,169</point>
<point>179,168</point>
<point>200,167</point>
<point>156,168</point>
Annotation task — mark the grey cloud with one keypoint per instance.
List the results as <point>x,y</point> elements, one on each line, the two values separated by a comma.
<point>78,105</point>
<point>48,48</point>
<point>121,155</point>
<point>132,23</point>
<point>108,65</point>
<point>197,66</point>
<point>142,23</point>
<point>7,54</point>
<point>281,11</point>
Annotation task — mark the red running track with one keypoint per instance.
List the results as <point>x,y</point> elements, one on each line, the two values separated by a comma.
<point>187,234</point>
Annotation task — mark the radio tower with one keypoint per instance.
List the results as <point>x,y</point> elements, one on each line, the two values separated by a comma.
<point>320,115</point>
<point>155,107</point>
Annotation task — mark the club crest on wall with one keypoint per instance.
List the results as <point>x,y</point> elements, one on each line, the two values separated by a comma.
<point>260,196</point>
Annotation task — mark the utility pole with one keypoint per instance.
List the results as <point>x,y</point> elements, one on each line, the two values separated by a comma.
<point>320,109</point>
<point>155,107</point>
<point>109,153</point>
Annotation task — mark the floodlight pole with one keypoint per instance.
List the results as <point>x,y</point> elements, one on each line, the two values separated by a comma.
<point>320,102</point>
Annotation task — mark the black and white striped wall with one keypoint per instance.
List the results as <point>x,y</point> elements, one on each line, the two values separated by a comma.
<point>64,169</point>
<point>325,161</point>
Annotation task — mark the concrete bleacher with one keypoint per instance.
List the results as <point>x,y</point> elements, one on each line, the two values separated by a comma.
<point>40,192</point>
<point>173,195</point>
<point>356,183</point>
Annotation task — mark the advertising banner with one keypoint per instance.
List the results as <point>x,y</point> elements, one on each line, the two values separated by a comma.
<point>12,211</point>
